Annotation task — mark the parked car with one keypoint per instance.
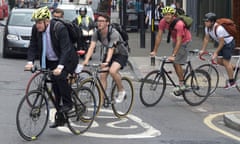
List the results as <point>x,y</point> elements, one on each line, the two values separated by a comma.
<point>71,11</point>
<point>3,9</point>
<point>17,32</point>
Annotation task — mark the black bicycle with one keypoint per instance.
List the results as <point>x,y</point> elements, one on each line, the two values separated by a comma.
<point>103,98</point>
<point>154,84</point>
<point>33,110</point>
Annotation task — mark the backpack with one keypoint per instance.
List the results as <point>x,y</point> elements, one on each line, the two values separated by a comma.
<point>187,20</point>
<point>73,30</point>
<point>121,31</point>
<point>228,25</point>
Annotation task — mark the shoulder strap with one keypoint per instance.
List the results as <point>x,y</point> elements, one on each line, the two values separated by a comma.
<point>108,35</point>
<point>215,30</point>
<point>171,27</point>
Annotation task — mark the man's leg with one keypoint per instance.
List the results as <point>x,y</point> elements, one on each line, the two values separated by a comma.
<point>114,72</point>
<point>179,71</point>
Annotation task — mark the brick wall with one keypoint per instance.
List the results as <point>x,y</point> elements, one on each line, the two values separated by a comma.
<point>236,18</point>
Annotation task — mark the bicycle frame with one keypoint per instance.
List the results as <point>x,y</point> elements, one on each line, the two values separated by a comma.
<point>96,80</point>
<point>166,73</point>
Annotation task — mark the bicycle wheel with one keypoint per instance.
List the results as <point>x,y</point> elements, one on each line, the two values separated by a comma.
<point>82,116</point>
<point>122,109</point>
<point>237,79</point>
<point>95,88</point>
<point>84,74</point>
<point>34,81</point>
<point>197,87</point>
<point>31,119</point>
<point>152,88</point>
<point>214,76</point>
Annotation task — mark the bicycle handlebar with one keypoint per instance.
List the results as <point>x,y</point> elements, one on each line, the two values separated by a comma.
<point>209,54</point>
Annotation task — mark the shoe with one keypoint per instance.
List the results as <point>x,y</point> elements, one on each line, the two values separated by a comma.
<point>179,88</point>
<point>57,124</point>
<point>59,120</point>
<point>230,85</point>
<point>121,96</point>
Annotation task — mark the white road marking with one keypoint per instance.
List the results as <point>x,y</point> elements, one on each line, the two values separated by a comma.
<point>148,132</point>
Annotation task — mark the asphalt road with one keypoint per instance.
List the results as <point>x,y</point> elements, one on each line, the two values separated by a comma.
<point>171,121</point>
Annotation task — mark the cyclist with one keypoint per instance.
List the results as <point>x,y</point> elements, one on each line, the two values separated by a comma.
<point>58,13</point>
<point>181,36</point>
<point>56,54</point>
<point>115,57</point>
<point>225,45</point>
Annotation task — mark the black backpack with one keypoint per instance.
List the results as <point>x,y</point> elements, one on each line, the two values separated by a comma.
<point>121,31</point>
<point>73,30</point>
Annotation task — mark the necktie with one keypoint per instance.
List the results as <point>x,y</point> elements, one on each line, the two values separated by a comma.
<point>44,50</point>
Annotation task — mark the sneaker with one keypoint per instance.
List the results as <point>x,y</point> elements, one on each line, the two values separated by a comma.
<point>121,96</point>
<point>230,85</point>
<point>179,88</point>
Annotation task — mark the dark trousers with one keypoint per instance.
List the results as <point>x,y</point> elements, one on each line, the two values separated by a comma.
<point>61,88</point>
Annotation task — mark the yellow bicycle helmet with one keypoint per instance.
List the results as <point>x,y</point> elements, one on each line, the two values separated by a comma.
<point>168,9</point>
<point>41,14</point>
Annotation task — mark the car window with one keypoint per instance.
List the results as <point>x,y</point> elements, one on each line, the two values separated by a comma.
<point>21,19</point>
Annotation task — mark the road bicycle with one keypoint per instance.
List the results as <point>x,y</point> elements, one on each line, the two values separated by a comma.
<point>212,68</point>
<point>93,82</point>
<point>34,109</point>
<point>153,85</point>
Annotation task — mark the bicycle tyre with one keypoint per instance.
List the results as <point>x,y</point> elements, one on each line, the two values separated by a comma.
<point>122,109</point>
<point>237,79</point>
<point>34,81</point>
<point>84,74</point>
<point>82,116</point>
<point>95,88</point>
<point>214,76</point>
<point>31,120</point>
<point>152,88</point>
<point>197,87</point>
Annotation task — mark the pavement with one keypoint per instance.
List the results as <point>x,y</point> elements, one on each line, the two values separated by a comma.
<point>140,62</point>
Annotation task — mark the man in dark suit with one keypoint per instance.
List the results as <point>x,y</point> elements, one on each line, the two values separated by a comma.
<point>57,53</point>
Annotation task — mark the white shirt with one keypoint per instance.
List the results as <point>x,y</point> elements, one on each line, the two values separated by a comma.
<point>221,32</point>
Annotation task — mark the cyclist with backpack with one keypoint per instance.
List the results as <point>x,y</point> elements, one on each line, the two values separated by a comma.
<point>225,45</point>
<point>180,35</point>
<point>115,53</point>
<point>56,54</point>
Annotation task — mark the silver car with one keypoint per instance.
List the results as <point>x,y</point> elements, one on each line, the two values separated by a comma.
<point>17,32</point>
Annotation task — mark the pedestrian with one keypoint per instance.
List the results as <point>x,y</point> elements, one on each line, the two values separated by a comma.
<point>115,54</point>
<point>57,53</point>
<point>225,45</point>
<point>181,36</point>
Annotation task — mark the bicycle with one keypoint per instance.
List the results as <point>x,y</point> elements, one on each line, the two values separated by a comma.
<point>211,68</point>
<point>120,109</point>
<point>154,84</point>
<point>33,110</point>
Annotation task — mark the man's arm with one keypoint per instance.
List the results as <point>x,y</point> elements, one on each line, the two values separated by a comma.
<point>205,42</point>
<point>89,52</point>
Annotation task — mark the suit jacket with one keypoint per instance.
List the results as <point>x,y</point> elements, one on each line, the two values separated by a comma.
<point>62,46</point>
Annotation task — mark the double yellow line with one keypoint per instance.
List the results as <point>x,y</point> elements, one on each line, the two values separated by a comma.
<point>208,121</point>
